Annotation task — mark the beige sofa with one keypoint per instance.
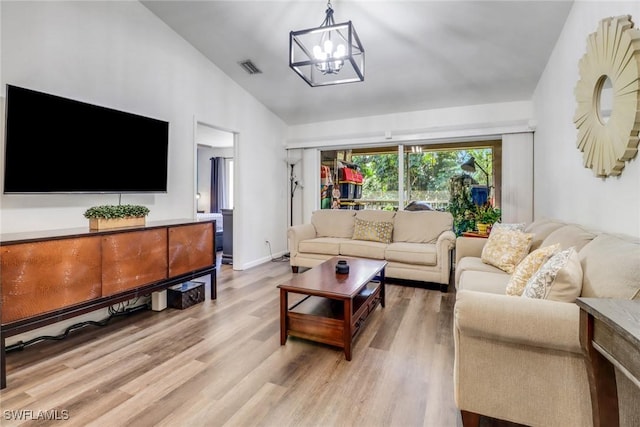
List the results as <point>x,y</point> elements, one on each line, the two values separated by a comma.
<point>519,359</point>
<point>418,247</point>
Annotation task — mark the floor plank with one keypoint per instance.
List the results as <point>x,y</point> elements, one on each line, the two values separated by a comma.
<point>220,363</point>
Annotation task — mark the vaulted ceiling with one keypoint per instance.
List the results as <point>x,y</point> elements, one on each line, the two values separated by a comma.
<point>419,54</point>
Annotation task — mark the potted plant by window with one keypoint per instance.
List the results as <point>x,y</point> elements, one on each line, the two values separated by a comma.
<point>460,204</point>
<point>115,216</point>
<point>485,216</point>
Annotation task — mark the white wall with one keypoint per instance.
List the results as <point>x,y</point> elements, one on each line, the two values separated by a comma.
<point>564,188</point>
<point>517,174</point>
<point>439,124</point>
<point>120,55</point>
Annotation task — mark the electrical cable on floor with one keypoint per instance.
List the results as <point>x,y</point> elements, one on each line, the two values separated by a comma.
<point>282,258</point>
<point>122,310</point>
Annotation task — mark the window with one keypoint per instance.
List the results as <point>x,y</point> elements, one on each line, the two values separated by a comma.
<point>426,172</point>
<point>380,179</point>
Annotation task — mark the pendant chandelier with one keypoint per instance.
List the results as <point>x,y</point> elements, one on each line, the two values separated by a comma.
<point>330,54</point>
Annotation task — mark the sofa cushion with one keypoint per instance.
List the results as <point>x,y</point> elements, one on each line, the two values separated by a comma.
<point>540,229</point>
<point>559,279</point>
<point>374,231</point>
<point>484,281</point>
<point>420,226</point>
<point>527,268</point>
<point>412,253</point>
<point>320,245</point>
<point>611,266</point>
<point>570,235</point>
<point>506,248</point>
<point>333,223</point>
<point>475,264</point>
<point>375,215</point>
<point>362,249</point>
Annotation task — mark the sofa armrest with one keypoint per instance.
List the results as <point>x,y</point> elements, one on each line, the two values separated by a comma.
<point>524,321</point>
<point>469,246</point>
<point>298,233</point>
<point>446,240</point>
<point>445,243</point>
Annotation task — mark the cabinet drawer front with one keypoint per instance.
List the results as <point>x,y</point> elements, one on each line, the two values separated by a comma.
<point>134,259</point>
<point>44,276</point>
<point>191,247</point>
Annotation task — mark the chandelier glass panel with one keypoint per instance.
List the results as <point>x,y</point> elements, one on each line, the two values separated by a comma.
<point>327,55</point>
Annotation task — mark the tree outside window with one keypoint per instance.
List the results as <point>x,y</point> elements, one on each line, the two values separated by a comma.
<point>427,175</point>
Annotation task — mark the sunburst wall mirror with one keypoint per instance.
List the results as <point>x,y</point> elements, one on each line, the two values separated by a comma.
<point>608,96</point>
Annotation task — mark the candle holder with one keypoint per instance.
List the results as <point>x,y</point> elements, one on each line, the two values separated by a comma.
<point>342,267</point>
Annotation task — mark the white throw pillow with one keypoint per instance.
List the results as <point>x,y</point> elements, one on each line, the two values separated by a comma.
<point>528,267</point>
<point>559,279</point>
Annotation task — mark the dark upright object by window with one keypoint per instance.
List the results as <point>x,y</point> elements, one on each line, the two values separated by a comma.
<point>218,184</point>
<point>227,236</point>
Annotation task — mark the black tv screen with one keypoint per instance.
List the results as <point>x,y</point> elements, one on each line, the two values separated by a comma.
<point>60,145</point>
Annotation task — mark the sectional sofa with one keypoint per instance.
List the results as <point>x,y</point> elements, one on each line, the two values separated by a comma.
<point>519,358</point>
<point>416,245</point>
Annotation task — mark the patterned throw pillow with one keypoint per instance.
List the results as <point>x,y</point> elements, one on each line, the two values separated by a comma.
<point>559,279</point>
<point>506,248</point>
<point>527,268</point>
<point>374,231</point>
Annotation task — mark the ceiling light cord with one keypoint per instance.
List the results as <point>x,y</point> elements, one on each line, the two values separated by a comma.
<point>328,20</point>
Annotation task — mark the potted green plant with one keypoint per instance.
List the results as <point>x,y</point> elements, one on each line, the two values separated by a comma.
<point>460,205</point>
<point>485,216</point>
<point>115,216</point>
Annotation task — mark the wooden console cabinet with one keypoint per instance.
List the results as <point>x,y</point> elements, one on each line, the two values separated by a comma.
<point>50,276</point>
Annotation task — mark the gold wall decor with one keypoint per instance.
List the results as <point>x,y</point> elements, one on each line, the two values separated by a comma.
<point>609,81</point>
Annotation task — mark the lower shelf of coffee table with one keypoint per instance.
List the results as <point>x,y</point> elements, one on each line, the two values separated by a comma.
<point>322,319</point>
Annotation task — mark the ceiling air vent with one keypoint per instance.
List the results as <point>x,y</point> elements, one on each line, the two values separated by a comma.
<point>250,67</point>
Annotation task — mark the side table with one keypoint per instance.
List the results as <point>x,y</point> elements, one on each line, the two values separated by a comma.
<point>610,340</point>
<point>475,234</point>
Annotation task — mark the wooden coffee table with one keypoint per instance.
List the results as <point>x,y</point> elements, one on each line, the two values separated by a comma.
<point>336,306</point>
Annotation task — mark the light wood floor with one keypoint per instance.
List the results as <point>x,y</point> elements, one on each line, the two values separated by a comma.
<point>220,363</point>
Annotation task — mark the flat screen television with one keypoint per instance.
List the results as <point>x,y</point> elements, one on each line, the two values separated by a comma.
<point>59,145</point>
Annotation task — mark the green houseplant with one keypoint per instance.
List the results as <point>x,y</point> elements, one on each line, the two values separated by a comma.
<point>485,216</point>
<point>460,204</point>
<point>114,216</point>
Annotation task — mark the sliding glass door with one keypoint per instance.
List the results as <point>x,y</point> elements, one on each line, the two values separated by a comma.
<point>399,175</point>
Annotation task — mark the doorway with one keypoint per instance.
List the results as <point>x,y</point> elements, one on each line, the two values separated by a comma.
<point>215,191</point>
